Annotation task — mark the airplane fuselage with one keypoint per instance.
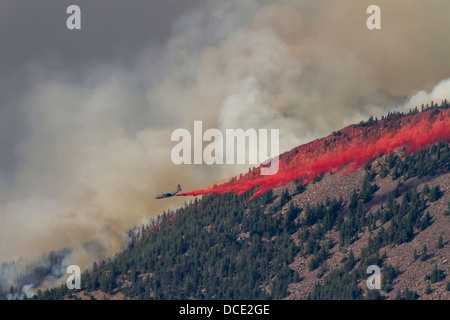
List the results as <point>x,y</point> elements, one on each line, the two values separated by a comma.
<point>168,194</point>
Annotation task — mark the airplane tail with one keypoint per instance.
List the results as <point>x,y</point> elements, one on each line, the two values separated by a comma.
<point>178,188</point>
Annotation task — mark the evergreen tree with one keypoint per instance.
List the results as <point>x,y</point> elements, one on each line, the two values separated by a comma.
<point>435,193</point>
<point>436,275</point>
<point>440,243</point>
<point>424,254</point>
<point>428,289</point>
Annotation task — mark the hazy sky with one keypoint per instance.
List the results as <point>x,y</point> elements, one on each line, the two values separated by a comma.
<point>111,30</point>
<point>86,115</point>
<point>34,34</point>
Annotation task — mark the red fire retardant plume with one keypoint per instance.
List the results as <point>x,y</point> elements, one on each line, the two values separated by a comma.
<point>347,150</point>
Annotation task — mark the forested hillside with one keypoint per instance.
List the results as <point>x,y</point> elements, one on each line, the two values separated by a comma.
<point>227,247</point>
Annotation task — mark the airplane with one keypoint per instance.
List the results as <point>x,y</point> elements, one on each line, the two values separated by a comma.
<point>168,194</point>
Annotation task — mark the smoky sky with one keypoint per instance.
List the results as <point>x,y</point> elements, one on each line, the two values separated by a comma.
<point>86,115</point>
<point>34,32</point>
<point>111,30</point>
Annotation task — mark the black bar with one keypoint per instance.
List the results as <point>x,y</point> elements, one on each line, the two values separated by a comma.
<point>227,309</point>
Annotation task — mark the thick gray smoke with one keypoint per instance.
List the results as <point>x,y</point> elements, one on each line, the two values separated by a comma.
<point>89,150</point>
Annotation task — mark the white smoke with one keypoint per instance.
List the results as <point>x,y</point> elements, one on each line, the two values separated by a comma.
<point>439,93</point>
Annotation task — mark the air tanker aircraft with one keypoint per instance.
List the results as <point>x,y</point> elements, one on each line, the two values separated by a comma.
<point>168,194</point>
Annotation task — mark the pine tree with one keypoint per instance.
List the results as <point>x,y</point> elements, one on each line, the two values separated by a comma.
<point>350,262</point>
<point>426,221</point>
<point>353,200</point>
<point>383,171</point>
<point>436,275</point>
<point>428,289</point>
<point>435,193</point>
<point>440,243</point>
<point>426,190</point>
<point>424,255</point>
